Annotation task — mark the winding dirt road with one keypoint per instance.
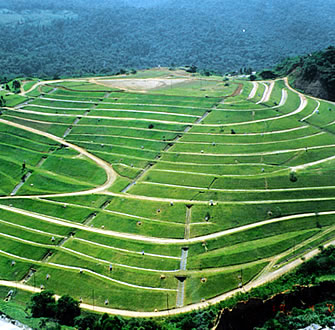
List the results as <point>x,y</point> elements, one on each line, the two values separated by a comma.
<point>111,174</point>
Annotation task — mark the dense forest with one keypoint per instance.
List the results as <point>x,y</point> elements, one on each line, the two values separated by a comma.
<point>313,73</point>
<point>67,37</point>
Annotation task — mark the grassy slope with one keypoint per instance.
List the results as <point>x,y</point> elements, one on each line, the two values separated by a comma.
<point>209,161</point>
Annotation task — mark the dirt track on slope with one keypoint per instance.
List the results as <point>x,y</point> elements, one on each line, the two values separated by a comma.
<point>110,173</point>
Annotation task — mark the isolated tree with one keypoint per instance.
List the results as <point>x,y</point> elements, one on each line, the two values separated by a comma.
<point>43,304</point>
<point>67,310</point>
<point>16,84</point>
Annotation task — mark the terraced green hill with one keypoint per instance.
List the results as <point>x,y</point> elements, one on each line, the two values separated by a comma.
<point>161,191</point>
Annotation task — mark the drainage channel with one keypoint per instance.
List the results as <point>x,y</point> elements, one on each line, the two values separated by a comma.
<point>180,294</point>
<point>199,120</point>
<point>89,218</point>
<point>76,121</point>
<point>183,258</point>
<point>69,129</point>
<point>188,224</point>
<point>46,94</point>
<point>41,162</point>
<point>181,280</point>
<point>165,149</point>
<point>28,174</point>
<point>183,261</point>
<point>67,132</point>
<point>29,275</point>
<point>47,256</point>
<point>23,181</point>
<point>140,175</point>
<point>105,205</point>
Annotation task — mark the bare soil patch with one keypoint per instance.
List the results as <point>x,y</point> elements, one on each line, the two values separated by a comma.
<point>141,84</point>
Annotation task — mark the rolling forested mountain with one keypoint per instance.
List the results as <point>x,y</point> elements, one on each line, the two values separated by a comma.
<point>48,38</point>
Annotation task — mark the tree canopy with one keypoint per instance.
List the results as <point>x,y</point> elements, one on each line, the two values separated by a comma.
<point>66,38</point>
<point>310,69</point>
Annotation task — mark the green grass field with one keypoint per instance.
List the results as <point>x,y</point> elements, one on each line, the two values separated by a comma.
<point>161,197</point>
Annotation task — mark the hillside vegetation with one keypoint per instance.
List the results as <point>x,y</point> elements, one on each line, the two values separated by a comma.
<point>313,73</point>
<point>45,38</point>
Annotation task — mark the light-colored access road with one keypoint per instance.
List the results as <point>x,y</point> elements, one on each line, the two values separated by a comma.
<point>267,92</point>
<point>254,90</point>
<point>267,96</point>
<point>45,82</point>
<point>110,173</point>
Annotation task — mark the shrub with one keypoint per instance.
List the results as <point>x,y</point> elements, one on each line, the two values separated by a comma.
<point>293,177</point>
<point>43,304</point>
<point>67,310</point>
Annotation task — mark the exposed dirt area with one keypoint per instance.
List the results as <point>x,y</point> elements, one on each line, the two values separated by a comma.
<point>141,84</point>
<point>237,91</point>
<point>314,87</point>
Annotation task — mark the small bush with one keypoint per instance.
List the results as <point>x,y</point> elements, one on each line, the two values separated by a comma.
<point>293,177</point>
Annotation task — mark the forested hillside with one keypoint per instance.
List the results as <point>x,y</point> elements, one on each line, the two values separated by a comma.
<point>313,73</point>
<point>47,38</point>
